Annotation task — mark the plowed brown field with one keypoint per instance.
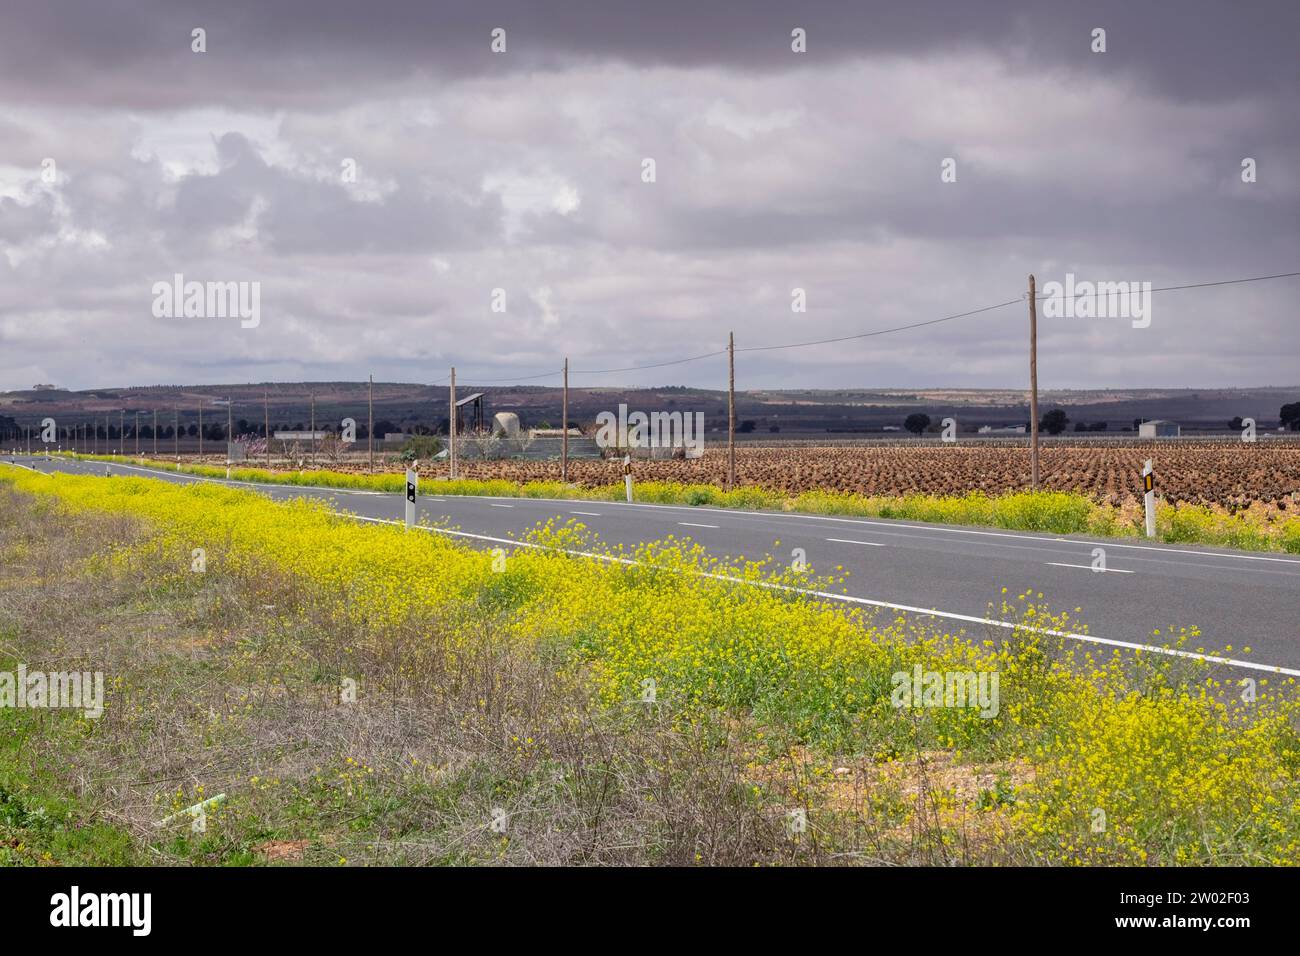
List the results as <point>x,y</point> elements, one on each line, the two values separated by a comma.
<point>1229,474</point>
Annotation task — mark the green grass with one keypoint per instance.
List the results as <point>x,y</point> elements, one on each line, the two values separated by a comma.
<point>41,824</point>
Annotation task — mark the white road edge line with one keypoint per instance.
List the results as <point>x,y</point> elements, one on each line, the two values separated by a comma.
<point>589,514</point>
<point>873,544</point>
<point>693,524</point>
<point>848,598</point>
<point>1089,567</point>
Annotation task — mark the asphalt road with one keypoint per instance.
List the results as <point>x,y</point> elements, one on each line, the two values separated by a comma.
<point>1237,599</point>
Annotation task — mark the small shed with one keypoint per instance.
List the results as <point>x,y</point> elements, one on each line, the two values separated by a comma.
<point>1159,428</point>
<point>475,412</point>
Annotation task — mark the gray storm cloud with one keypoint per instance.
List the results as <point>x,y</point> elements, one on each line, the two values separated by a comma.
<point>522,171</point>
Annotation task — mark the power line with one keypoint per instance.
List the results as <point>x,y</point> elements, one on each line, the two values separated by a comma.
<point>468,379</point>
<point>867,335</point>
<point>497,381</point>
<point>635,368</point>
<point>1175,288</point>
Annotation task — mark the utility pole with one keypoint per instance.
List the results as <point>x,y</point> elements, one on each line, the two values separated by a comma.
<point>370,423</point>
<point>200,428</point>
<point>121,430</point>
<point>731,410</point>
<point>564,424</point>
<point>176,431</point>
<point>230,426</point>
<point>155,433</point>
<point>266,425</point>
<point>313,429</point>
<point>451,427</point>
<point>137,433</point>
<point>1033,384</point>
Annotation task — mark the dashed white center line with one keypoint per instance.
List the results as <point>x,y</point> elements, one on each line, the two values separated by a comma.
<point>874,544</point>
<point>1089,567</point>
<point>495,505</point>
<point>590,514</point>
<point>692,524</point>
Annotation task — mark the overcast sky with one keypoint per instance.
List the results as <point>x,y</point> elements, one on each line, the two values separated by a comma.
<point>523,170</point>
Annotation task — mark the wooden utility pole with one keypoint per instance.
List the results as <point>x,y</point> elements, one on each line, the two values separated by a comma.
<point>313,429</point>
<point>266,426</point>
<point>230,426</point>
<point>451,426</point>
<point>176,431</point>
<point>1033,384</point>
<point>155,433</point>
<point>731,410</point>
<point>564,425</point>
<point>370,424</point>
<point>121,429</point>
<point>137,433</point>
<point>200,428</point>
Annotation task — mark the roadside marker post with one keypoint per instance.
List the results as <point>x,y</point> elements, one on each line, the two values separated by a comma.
<point>412,483</point>
<point>627,476</point>
<point>1149,497</point>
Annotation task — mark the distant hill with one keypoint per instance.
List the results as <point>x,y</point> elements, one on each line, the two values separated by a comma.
<point>798,413</point>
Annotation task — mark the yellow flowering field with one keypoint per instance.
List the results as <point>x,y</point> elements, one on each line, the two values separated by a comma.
<point>1146,759</point>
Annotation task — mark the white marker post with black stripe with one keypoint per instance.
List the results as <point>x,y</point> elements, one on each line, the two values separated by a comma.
<point>627,476</point>
<point>412,484</point>
<point>1149,497</point>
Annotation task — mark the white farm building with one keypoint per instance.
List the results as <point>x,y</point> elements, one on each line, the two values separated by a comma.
<point>1159,428</point>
